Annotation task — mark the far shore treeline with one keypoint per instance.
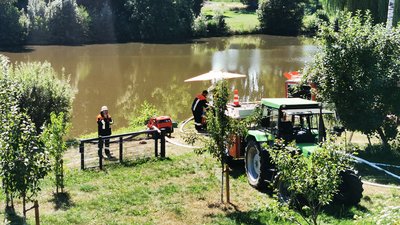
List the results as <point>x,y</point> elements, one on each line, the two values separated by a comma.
<point>71,22</point>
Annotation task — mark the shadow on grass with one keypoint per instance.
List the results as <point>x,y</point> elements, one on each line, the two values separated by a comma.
<point>13,218</point>
<point>237,168</point>
<point>380,154</point>
<point>253,217</point>
<point>62,201</point>
<point>244,11</point>
<point>343,212</point>
<point>140,161</point>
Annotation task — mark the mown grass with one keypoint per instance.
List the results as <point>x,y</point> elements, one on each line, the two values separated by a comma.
<point>180,190</point>
<point>238,18</point>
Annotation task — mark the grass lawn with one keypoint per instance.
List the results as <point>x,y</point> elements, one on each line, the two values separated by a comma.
<point>237,17</point>
<point>182,189</point>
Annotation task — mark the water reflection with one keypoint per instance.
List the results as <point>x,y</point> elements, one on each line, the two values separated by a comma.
<point>122,76</point>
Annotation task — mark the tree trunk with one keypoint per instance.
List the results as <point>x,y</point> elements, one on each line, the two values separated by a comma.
<point>222,181</point>
<point>389,21</point>
<point>383,137</point>
<point>24,206</point>
<point>227,186</point>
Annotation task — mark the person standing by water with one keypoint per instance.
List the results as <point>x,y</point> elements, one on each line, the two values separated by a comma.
<point>104,122</point>
<point>199,106</point>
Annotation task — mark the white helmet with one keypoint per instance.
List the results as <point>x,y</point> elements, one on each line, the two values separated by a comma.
<point>103,108</point>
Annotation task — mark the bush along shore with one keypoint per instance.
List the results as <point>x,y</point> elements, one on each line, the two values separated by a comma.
<point>72,22</point>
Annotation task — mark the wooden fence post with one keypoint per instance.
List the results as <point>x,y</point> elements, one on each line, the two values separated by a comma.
<point>155,135</point>
<point>82,151</point>
<point>120,149</point>
<point>162,144</point>
<point>101,153</point>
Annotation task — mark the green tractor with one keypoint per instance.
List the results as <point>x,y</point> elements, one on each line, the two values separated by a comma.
<point>290,119</point>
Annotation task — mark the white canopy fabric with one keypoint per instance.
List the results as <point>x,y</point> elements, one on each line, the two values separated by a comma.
<point>215,75</point>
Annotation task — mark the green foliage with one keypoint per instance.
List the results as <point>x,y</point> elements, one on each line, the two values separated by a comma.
<point>316,178</point>
<point>196,7</point>
<point>200,26</point>
<point>102,24</point>
<point>142,114</point>
<point>42,92</point>
<point>281,17</point>
<point>160,20</point>
<point>67,22</point>
<point>357,70</point>
<point>312,22</point>
<point>220,127</point>
<point>59,21</point>
<point>13,29</point>
<point>23,159</point>
<point>204,26</point>
<point>52,137</point>
<point>252,4</point>
<point>378,9</point>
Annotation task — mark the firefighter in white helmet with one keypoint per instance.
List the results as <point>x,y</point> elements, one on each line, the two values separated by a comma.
<point>104,122</point>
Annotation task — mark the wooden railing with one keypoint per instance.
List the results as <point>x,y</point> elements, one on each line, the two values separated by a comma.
<point>158,136</point>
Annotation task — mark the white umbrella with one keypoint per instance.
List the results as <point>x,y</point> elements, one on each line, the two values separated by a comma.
<point>215,75</point>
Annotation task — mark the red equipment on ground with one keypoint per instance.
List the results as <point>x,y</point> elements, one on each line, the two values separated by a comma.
<point>236,98</point>
<point>163,123</point>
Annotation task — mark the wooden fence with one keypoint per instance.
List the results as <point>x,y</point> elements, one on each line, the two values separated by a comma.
<point>157,136</point>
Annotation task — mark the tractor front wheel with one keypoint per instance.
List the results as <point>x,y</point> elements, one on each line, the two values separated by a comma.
<point>257,165</point>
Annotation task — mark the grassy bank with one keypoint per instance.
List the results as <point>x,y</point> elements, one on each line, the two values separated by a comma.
<point>238,18</point>
<point>182,189</point>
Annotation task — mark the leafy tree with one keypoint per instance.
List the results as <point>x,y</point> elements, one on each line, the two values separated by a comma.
<point>52,137</point>
<point>379,9</point>
<point>38,21</point>
<point>281,17</point>
<point>67,22</point>
<point>41,91</point>
<point>312,181</point>
<point>161,20</point>
<point>13,29</point>
<point>356,69</point>
<point>102,23</point>
<point>220,128</point>
<point>23,160</point>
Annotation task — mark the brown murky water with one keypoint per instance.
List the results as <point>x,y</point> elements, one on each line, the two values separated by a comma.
<point>122,76</point>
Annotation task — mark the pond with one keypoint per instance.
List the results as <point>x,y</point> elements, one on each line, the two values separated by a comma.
<point>123,76</point>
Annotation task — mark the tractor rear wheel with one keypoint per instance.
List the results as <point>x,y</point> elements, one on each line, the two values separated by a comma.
<point>257,166</point>
<point>350,190</point>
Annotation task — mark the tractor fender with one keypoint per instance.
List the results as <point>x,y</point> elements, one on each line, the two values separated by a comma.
<point>259,136</point>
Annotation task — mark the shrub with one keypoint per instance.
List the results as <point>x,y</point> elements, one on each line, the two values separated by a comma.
<point>52,137</point>
<point>142,114</point>
<point>215,26</point>
<point>281,17</point>
<point>200,26</point>
<point>41,91</point>
<point>312,22</point>
<point>13,30</point>
<point>314,180</point>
